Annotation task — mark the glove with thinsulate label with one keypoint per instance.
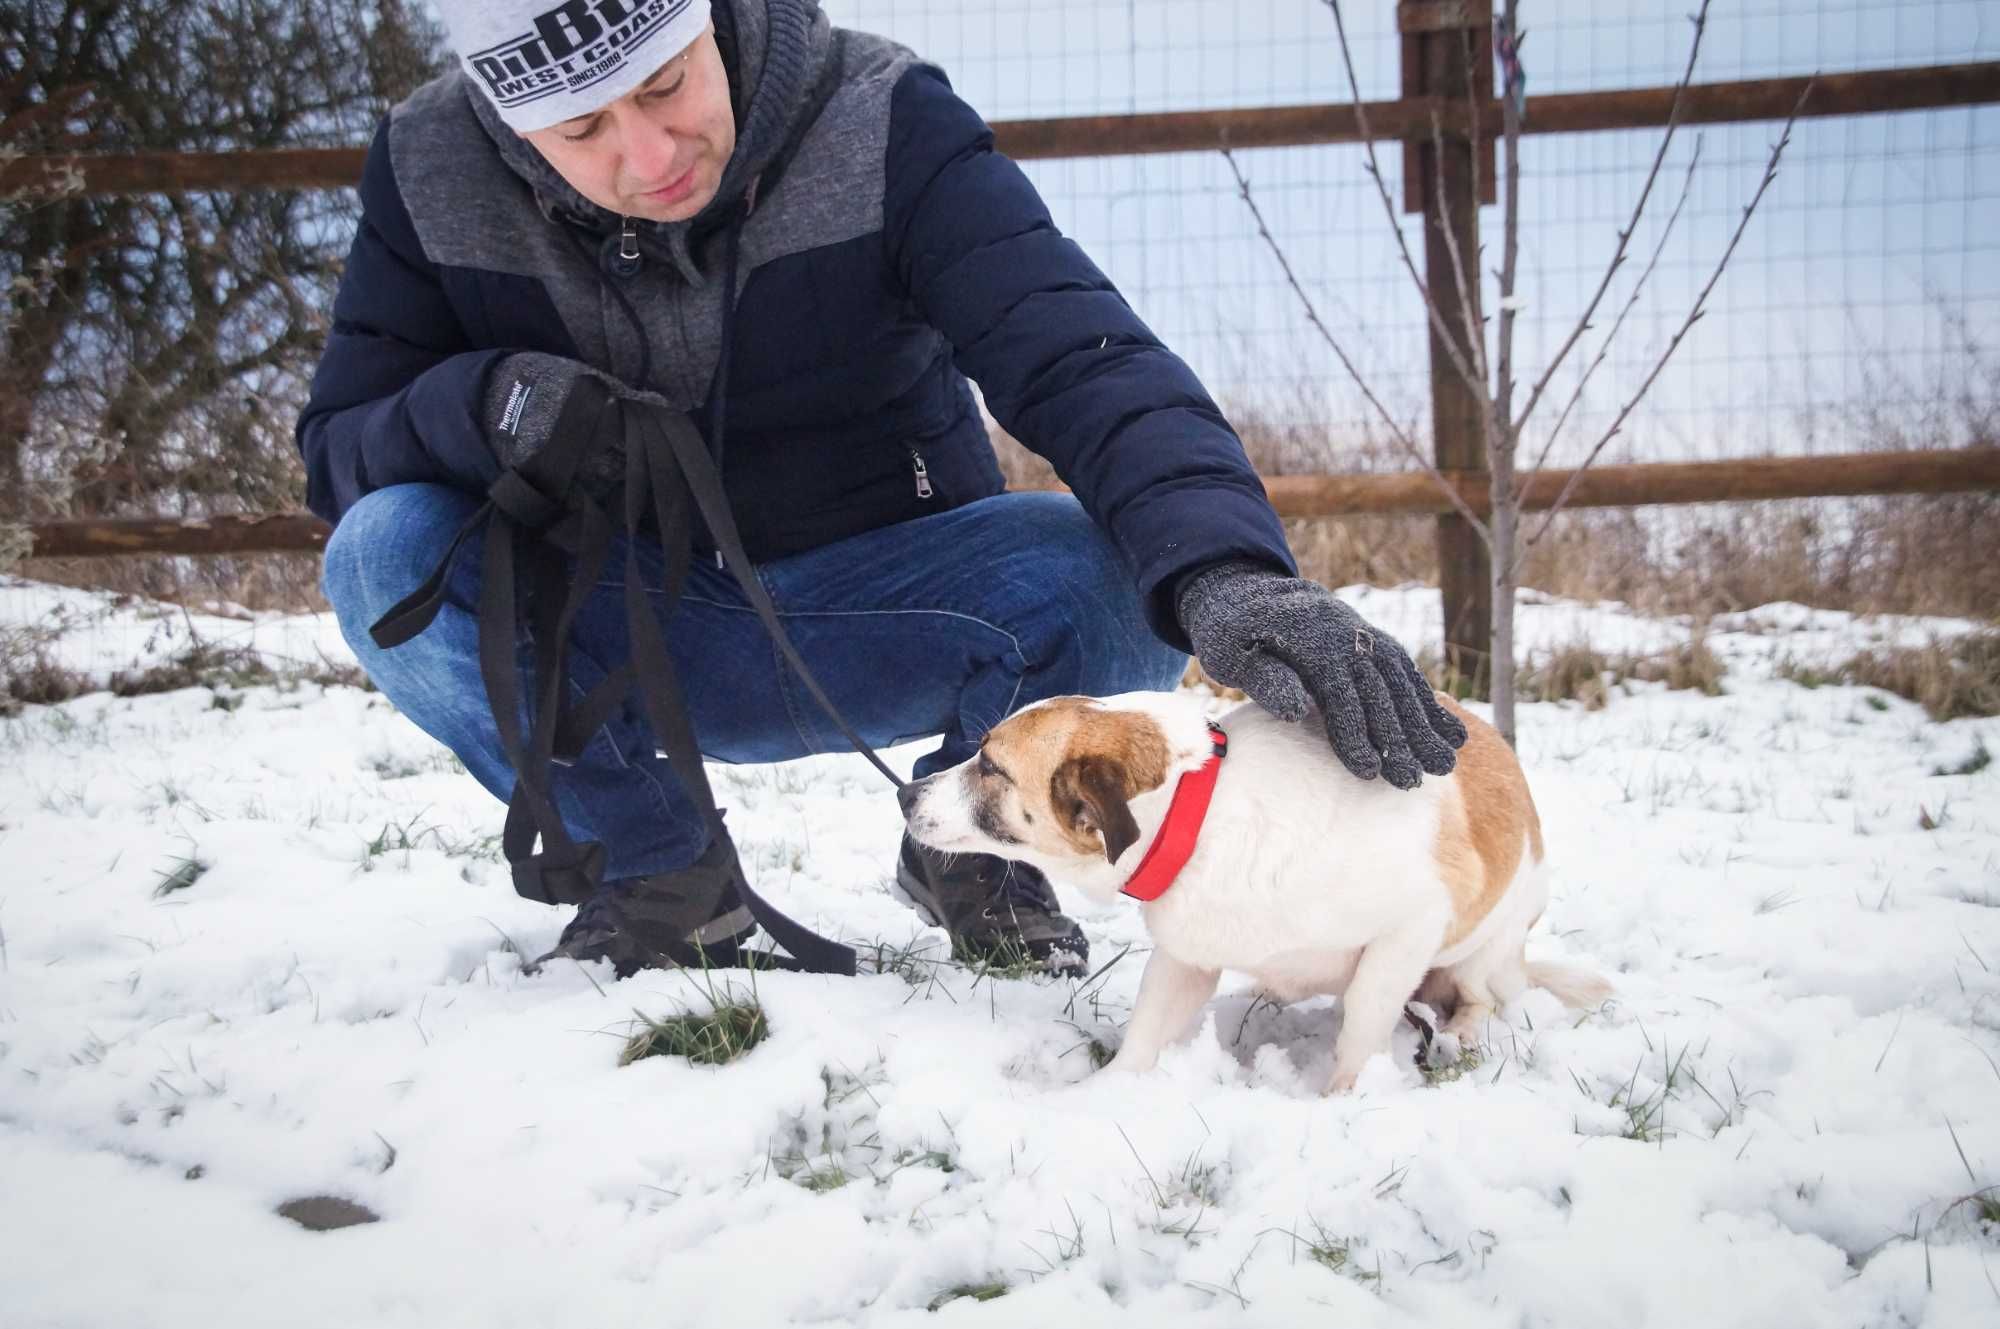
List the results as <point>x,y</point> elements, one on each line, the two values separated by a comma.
<point>533,397</point>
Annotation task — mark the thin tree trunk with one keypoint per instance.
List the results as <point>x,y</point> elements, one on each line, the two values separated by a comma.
<point>12,482</point>
<point>32,349</point>
<point>1504,432</point>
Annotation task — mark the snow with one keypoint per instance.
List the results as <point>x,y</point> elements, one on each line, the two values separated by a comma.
<point>1770,1125</point>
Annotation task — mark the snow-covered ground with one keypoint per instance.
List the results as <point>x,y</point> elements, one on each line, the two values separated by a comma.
<point>1774,1123</point>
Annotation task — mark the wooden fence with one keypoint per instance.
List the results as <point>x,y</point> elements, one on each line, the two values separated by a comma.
<point>1434,94</point>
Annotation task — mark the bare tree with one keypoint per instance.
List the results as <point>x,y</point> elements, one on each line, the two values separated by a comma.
<point>1492,377</point>
<point>156,345</point>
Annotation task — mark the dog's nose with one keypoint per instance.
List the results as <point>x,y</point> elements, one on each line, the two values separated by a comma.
<point>906,797</point>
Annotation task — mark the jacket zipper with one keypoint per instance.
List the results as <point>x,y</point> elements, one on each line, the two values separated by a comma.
<point>628,260</point>
<point>923,474</point>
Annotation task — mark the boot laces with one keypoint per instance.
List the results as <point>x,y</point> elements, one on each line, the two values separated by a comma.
<point>1017,890</point>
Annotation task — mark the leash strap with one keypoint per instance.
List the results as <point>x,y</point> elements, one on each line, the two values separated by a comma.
<point>650,473</point>
<point>528,528</point>
<point>705,483</point>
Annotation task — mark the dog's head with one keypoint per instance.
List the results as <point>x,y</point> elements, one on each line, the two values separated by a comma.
<point>1053,785</point>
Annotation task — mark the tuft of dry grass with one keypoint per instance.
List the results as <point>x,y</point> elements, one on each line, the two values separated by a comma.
<point>29,675</point>
<point>1806,675</point>
<point>259,583</point>
<point>32,678</point>
<point>1577,671</point>
<point>1688,667</point>
<point>1951,679</point>
<point>200,664</point>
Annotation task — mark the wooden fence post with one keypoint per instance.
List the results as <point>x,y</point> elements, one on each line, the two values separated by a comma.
<point>1435,37</point>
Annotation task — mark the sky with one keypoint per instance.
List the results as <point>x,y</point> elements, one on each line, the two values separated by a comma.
<point>1872,263</point>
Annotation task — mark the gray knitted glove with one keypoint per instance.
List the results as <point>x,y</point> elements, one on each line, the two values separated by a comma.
<point>525,398</point>
<point>1291,646</point>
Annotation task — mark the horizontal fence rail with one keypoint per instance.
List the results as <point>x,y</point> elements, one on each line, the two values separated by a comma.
<point>1650,484</point>
<point>112,537</point>
<point>1925,88</point>
<point>1407,493</point>
<point>1928,87</point>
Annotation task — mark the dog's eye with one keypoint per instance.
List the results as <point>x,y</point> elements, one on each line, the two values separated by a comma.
<point>986,766</point>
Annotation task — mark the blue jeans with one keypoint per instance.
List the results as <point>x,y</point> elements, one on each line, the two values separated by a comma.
<point>940,626</point>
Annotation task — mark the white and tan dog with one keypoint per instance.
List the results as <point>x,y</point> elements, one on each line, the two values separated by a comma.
<point>1310,880</point>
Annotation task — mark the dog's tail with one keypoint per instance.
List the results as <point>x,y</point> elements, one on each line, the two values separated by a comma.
<point>1577,988</point>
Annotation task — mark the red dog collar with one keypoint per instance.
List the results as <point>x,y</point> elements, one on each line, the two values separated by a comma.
<point>1174,845</point>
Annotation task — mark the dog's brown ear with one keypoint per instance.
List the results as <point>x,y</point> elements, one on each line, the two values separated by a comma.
<point>1089,793</point>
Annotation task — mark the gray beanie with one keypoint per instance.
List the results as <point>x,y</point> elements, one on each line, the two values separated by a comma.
<point>542,63</point>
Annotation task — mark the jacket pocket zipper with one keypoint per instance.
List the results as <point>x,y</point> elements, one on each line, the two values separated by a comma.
<point>922,473</point>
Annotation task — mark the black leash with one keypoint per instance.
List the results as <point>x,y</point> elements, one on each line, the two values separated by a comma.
<point>533,514</point>
<point>670,474</point>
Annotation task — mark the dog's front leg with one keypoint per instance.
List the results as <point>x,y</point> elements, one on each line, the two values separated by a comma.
<point>1171,994</point>
<point>1391,968</point>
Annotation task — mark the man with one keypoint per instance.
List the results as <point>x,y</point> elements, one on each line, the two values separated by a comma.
<point>802,239</point>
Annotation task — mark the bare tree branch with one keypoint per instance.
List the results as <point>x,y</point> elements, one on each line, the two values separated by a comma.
<point>143,318</point>
<point>1400,434</point>
<point>1611,337</point>
<point>1700,21</point>
<point>1458,360</point>
<point>60,105</point>
<point>1694,315</point>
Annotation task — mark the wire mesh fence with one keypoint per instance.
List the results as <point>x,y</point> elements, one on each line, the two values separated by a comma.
<point>1864,298</point>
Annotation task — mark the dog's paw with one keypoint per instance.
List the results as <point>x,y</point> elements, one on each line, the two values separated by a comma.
<point>1128,1062</point>
<point>1469,1025</point>
<point>1376,1073</point>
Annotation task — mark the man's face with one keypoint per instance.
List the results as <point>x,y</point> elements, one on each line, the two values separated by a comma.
<point>658,151</point>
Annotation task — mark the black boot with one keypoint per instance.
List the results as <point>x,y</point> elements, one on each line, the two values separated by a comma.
<point>693,917</point>
<point>997,911</point>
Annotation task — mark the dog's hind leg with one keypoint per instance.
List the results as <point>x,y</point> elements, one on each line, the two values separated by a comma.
<point>1439,993</point>
<point>1391,969</point>
<point>1497,972</point>
<point>1486,980</point>
<point>1171,994</point>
